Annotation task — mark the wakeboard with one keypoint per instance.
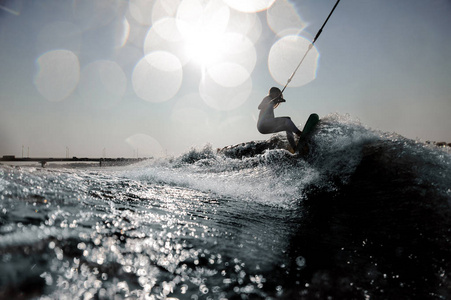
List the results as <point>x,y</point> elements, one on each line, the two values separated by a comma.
<point>302,146</point>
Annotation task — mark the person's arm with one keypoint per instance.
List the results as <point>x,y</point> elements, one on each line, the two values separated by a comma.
<point>276,101</point>
<point>265,102</point>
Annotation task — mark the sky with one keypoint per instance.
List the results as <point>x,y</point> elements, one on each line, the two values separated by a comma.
<point>142,78</point>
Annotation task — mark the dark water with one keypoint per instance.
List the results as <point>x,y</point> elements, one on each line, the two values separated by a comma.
<point>365,216</point>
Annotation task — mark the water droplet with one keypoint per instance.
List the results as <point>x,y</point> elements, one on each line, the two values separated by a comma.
<point>300,261</point>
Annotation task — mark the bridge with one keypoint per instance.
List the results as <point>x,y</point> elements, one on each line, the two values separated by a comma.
<point>102,161</point>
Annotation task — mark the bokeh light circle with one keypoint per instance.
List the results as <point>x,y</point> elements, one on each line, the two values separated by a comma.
<point>164,9</point>
<point>167,29</point>
<point>102,83</point>
<point>202,18</point>
<point>58,74</point>
<point>249,6</point>
<point>122,33</point>
<point>239,50</point>
<point>141,11</point>
<point>157,77</point>
<point>202,25</point>
<point>248,25</point>
<point>224,98</point>
<point>286,54</point>
<point>283,19</point>
<point>228,74</point>
<point>164,36</point>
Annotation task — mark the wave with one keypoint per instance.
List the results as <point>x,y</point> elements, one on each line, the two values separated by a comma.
<point>265,171</point>
<point>374,204</point>
<point>374,208</point>
<point>365,214</point>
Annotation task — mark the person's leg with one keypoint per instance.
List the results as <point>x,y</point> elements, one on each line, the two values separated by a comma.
<point>291,126</point>
<point>280,124</point>
<point>285,124</point>
<point>290,139</point>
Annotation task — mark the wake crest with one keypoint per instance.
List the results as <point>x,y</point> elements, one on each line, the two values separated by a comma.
<point>265,171</point>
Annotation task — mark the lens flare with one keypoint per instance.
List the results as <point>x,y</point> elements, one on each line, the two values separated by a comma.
<point>202,25</point>
<point>224,98</point>
<point>164,9</point>
<point>286,54</point>
<point>240,50</point>
<point>283,19</point>
<point>157,77</point>
<point>203,50</point>
<point>250,6</point>
<point>228,74</point>
<point>167,29</point>
<point>122,33</point>
<point>58,74</point>
<point>141,11</point>
<point>210,16</point>
<point>248,25</point>
<point>164,36</point>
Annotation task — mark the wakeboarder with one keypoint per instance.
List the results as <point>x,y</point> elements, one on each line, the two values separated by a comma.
<point>268,123</point>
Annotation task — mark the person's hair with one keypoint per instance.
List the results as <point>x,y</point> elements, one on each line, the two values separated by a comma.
<point>274,91</point>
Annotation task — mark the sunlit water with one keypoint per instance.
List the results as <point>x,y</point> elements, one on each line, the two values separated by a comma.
<point>204,226</point>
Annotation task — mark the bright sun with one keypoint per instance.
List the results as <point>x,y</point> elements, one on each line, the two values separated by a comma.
<point>202,25</point>
<point>205,48</point>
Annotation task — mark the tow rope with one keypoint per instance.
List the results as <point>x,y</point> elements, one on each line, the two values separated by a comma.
<point>310,47</point>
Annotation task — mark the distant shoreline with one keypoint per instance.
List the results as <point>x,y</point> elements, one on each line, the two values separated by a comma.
<point>70,164</point>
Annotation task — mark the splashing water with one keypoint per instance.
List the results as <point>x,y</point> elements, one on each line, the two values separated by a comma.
<point>366,214</point>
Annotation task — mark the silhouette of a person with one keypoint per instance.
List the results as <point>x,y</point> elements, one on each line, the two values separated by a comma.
<point>267,123</point>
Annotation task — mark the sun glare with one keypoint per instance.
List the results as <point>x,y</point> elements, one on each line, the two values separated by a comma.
<point>205,49</point>
<point>202,23</point>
